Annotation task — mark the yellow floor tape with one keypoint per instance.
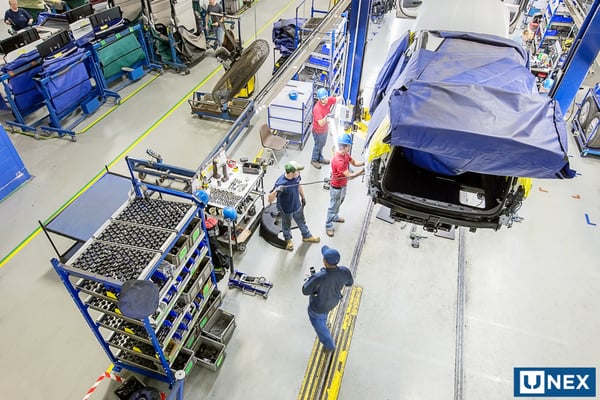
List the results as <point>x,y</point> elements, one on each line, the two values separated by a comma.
<point>323,377</point>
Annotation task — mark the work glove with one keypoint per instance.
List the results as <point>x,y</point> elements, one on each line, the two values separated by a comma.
<point>279,189</point>
<point>303,200</point>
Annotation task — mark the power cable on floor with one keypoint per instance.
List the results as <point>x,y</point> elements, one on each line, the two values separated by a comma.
<point>325,180</point>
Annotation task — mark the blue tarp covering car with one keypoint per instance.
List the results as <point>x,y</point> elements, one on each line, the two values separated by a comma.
<point>470,105</point>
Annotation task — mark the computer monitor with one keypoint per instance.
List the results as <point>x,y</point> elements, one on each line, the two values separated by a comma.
<point>105,16</point>
<point>53,43</point>
<point>22,38</point>
<point>57,21</point>
<point>79,12</point>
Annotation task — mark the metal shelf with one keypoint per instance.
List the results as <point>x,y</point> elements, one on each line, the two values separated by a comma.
<point>333,61</point>
<point>162,237</point>
<point>245,200</point>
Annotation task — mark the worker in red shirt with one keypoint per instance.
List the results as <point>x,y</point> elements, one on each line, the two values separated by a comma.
<point>321,110</point>
<point>340,174</point>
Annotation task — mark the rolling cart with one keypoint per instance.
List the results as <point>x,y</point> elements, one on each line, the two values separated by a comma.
<point>230,186</point>
<point>158,240</point>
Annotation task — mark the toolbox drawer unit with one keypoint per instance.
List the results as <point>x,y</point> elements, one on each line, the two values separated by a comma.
<point>147,239</point>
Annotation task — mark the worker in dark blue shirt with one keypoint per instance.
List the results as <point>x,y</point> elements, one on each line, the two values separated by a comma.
<point>290,202</point>
<point>324,289</point>
<point>17,18</point>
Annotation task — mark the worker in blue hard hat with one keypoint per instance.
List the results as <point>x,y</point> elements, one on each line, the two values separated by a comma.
<point>340,174</point>
<point>321,110</point>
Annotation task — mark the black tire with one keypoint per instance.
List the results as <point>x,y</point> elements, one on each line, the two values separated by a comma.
<point>586,111</point>
<point>592,131</point>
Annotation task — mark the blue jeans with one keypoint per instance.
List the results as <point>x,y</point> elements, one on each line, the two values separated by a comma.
<point>219,33</point>
<point>319,322</point>
<point>286,224</point>
<point>336,198</point>
<point>320,140</point>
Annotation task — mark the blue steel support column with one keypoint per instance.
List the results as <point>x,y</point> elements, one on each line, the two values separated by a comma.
<point>579,60</point>
<point>358,25</point>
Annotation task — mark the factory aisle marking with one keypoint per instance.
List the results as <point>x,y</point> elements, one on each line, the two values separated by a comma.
<point>588,220</point>
<point>324,372</point>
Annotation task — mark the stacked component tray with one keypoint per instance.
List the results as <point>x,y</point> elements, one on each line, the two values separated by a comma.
<point>149,239</point>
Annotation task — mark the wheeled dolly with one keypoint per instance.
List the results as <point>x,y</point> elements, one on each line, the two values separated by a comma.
<point>251,285</point>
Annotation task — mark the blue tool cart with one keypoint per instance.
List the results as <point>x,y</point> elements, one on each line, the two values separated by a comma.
<point>121,51</point>
<point>12,170</point>
<point>23,63</point>
<point>66,80</point>
<point>202,104</point>
<point>586,123</point>
<point>160,240</point>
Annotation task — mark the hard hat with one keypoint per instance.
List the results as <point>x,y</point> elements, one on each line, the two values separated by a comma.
<point>293,166</point>
<point>230,213</point>
<point>322,93</point>
<point>547,84</point>
<point>345,139</point>
<point>293,94</point>
<point>202,196</point>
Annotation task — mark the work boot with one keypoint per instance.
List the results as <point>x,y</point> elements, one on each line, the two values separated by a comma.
<point>311,239</point>
<point>315,164</point>
<point>289,245</point>
<point>340,220</point>
<point>324,161</point>
<point>330,232</point>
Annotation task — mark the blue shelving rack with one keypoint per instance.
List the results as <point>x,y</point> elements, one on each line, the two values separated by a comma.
<point>326,65</point>
<point>556,23</point>
<point>156,239</point>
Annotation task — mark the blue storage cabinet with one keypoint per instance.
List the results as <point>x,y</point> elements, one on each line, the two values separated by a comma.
<point>12,170</point>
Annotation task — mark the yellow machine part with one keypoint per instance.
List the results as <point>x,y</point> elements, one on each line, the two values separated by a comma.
<point>247,90</point>
<point>527,183</point>
<point>377,148</point>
